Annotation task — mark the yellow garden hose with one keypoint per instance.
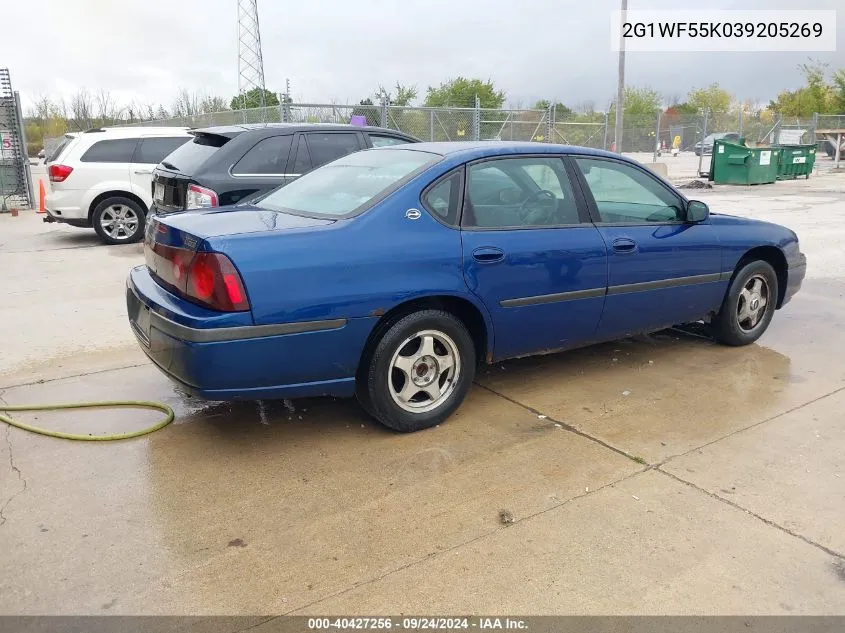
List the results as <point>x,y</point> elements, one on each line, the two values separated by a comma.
<point>122,404</point>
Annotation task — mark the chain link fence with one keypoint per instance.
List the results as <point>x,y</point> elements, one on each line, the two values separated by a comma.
<point>641,133</point>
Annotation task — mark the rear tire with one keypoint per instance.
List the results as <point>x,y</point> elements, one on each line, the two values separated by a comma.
<point>749,305</point>
<point>119,220</point>
<point>419,371</point>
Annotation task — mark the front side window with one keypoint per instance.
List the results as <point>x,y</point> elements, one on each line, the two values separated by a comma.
<point>385,141</point>
<point>268,156</point>
<point>519,192</point>
<point>627,195</point>
<point>347,185</point>
<point>117,150</point>
<point>326,146</point>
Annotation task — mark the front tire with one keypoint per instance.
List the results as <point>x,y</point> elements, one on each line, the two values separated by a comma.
<point>420,371</point>
<point>118,220</point>
<point>749,305</point>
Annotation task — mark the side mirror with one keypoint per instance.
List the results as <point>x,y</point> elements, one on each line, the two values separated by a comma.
<point>697,211</point>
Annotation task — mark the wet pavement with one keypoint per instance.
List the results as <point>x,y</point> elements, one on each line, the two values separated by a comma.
<point>665,474</point>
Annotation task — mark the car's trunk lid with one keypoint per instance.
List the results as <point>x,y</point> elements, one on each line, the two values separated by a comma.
<point>206,223</point>
<point>171,242</point>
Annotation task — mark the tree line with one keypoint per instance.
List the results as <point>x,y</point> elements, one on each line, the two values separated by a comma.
<point>823,91</point>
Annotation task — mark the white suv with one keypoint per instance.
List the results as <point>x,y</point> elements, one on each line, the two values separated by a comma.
<point>102,178</point>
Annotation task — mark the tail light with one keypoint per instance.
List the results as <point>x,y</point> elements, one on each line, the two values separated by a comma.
<point>213,280</point>
<point>200,197</point>
<point>208,279</point>
<point>59,173</point>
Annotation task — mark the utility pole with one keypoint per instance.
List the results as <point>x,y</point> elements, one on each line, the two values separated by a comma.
<point>620,88</point>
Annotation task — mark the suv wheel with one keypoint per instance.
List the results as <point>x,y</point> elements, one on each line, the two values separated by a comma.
<point>119,220</point>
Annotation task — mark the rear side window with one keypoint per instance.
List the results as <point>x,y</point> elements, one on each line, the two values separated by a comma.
<point>443,198</point>
<point>189,157</point>
<point>268,156</point>
<point>326,147</point>
<point>152,151</point>
<point>302,159</point>
<point>117,150</point>
<point>385,141</point>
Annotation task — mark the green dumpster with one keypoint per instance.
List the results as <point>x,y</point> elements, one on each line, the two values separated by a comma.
<point>737,164</point>
<point>796,160</point>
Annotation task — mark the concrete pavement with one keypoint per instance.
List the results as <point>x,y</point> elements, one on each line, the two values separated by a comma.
<point>661,475</point>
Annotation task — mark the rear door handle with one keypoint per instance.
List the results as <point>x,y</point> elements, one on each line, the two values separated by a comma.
<point>488,254</point>
<point>624,245</point>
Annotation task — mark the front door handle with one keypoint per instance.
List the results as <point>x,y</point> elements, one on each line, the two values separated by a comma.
<point>143,171</point>
<point>624,245</point>
<point>488,254</point>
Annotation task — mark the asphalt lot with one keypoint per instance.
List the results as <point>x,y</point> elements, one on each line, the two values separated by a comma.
<point>665,474</point>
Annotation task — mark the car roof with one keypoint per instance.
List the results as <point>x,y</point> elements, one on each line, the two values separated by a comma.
<point>131,131</point>
<point>233,130</point>
<point>479,149</point>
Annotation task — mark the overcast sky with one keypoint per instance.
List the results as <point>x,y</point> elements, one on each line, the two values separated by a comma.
<point>341,50</point>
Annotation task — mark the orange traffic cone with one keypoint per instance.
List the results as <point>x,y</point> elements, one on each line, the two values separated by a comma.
<point>41,195</point>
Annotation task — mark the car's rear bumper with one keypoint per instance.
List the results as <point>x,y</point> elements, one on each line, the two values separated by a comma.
<point>65,206</point>
<point>230,361</point>
<point>58,216</point>
<point>795,274</point>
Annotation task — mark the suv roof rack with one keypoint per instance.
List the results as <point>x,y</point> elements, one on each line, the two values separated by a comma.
<point>94,129</point>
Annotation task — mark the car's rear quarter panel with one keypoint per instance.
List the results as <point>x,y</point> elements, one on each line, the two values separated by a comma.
<point>357,268</point>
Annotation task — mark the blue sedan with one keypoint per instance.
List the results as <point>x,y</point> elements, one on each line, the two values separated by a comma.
<point>390,274</point>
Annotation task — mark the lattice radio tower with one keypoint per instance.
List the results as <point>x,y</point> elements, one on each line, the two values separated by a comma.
<point>250,61</point>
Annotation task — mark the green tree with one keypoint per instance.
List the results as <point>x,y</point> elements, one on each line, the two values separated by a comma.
<point>713,98</point>
<point>642,101</point>
<point>460,92</point>
<point>400,96</point>
<point>252,99</point>
<point>560,108</point>
<point>815,96</point>
<point>838,91</point>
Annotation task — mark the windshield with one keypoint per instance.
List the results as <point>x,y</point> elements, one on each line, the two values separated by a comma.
<point>346,185</point>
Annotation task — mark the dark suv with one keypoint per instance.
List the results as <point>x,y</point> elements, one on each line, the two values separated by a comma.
<point>225,165</point>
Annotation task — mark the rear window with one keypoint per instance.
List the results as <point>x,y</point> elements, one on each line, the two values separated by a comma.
<point>190,157</point>
<point>117,150</point>
<point>349,184</point>
<point>153,150</point>
<point>57,151</point>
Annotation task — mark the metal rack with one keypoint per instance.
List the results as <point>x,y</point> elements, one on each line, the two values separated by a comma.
<point>15,177</point>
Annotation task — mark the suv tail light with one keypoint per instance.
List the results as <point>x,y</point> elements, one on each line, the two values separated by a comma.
<point>59,173</point>
<point>208,279</point>
<point>200,197</point>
